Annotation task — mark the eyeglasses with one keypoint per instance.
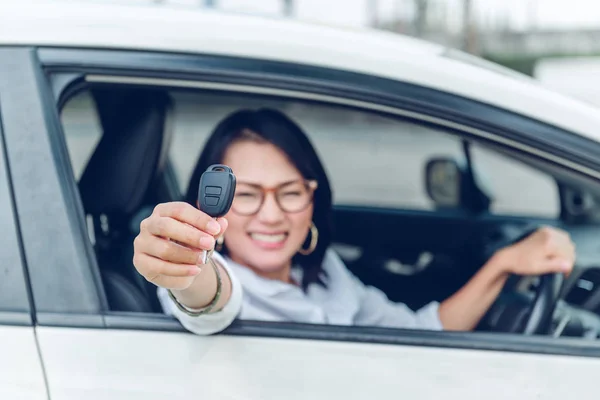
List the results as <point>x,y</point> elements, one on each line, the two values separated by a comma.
<point>291,197</point>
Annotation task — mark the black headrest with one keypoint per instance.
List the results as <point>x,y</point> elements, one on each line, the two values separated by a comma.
<point>131,151</point>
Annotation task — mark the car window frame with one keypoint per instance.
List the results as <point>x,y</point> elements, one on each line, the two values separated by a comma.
<point>17,308</point>
<point>44,198</point>
<point>419,104</point>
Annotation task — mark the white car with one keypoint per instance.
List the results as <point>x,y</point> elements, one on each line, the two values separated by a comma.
<point>435,158</point>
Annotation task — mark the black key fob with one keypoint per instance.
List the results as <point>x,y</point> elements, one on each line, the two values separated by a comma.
<point>216,190</point>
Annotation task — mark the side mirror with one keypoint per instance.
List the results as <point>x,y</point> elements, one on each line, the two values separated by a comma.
<point>450,184</point>
<point>444,179</point>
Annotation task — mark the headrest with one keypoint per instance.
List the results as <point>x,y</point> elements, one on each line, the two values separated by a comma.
<point>132,149</point>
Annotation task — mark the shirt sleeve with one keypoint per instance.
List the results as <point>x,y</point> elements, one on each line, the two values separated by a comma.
<point>208,324</point>
<point>375,309</point>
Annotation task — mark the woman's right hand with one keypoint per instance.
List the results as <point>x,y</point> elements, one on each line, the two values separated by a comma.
<point>167,251</point>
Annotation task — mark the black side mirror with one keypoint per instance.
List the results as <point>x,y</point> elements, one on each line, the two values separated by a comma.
<point>450,184</point>
<point>444,178</point>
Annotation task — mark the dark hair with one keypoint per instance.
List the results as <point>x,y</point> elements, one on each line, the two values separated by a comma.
<point>274,127</point>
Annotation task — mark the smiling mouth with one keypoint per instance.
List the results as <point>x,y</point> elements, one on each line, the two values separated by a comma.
<point>269,238</point>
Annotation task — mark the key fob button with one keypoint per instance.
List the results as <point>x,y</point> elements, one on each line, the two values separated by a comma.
<point>212,190</point>
<point>211,200</point>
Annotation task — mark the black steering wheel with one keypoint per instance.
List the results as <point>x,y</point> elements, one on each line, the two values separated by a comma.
<point>539,319</point>
<point>521,314</point>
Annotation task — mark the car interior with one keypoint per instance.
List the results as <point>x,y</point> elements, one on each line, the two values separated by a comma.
<point>417,255</point>
<point>115,184</point>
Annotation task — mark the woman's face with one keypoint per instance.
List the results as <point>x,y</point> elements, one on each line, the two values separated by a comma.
<point>267,240</point>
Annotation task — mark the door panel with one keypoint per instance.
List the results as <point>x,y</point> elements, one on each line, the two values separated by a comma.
<point>122,364</point>
<point>21,373</point>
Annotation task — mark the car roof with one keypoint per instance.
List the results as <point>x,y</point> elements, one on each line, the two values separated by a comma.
<point>200,31</point>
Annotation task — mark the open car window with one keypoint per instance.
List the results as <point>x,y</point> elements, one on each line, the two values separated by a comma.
<point>376,166</point>
<point>132,148</point>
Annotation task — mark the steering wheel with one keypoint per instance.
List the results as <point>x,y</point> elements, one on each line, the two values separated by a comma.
<point>523,315</point>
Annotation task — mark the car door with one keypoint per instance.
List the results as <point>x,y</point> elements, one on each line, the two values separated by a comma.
<point>92,352</point>
<point>21,368</point>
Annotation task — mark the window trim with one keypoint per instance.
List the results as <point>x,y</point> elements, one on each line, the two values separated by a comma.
<point>19,309</point>
<point>44,198</point>
<point>486,341</point>
<point>410,105</point>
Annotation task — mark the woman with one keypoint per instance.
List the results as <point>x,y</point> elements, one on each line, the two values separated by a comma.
<point>275,262</point>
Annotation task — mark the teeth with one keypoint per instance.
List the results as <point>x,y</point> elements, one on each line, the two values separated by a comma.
<point>268,238</point>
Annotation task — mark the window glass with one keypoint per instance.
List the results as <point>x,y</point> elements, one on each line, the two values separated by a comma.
<point>517,188</point>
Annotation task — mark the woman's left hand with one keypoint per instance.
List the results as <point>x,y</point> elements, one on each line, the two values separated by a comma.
<point>547,250</point>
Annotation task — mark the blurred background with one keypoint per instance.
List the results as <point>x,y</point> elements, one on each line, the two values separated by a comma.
<point>556,41</point>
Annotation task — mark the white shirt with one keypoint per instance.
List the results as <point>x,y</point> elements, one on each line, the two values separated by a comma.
<point>344,301</point>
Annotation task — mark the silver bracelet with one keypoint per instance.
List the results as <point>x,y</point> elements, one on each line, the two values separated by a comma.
<point>209,307</point>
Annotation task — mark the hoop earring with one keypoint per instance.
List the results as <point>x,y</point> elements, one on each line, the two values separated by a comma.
<point>314,238</point>
<point>219,243</point>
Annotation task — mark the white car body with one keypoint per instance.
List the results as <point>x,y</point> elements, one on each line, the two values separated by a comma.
<point>22,369</point>
<point>68,363</point>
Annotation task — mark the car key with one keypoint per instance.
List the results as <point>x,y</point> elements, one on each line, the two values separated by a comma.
<point>215,194</point>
